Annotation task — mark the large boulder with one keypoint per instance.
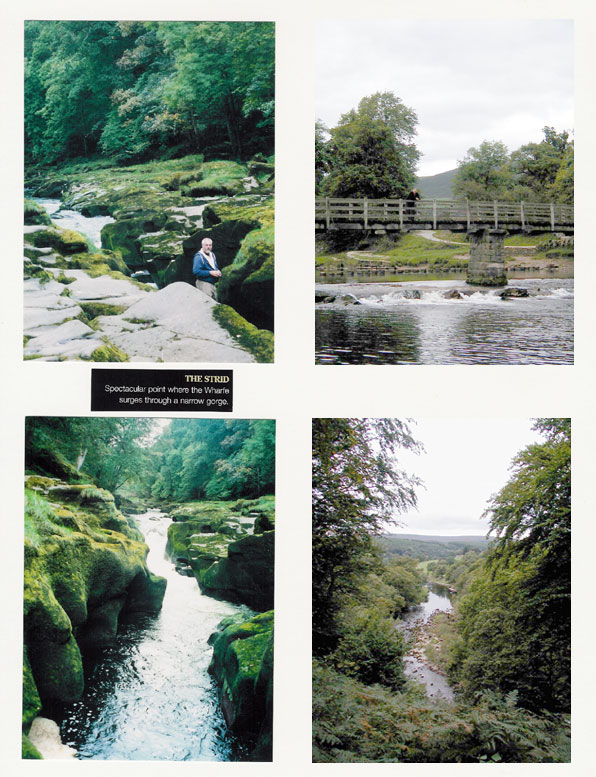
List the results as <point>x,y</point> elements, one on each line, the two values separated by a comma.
<point>242,664</point>
<point>247,285</point>
<point>246,574</point>
<point>85,565</point>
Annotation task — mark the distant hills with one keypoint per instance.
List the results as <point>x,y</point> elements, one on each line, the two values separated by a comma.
<point>424,547</point>
<point>438,186</point>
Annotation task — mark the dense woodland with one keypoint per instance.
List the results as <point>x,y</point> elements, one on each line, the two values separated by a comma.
<point>132,91</point>
<point>505,649</point>
<point>371,153</point>
<point>188,459</point>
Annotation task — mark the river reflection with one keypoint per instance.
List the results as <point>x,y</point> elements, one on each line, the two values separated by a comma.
<point>390,327</point>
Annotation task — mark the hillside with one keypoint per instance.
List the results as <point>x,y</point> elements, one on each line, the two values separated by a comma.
<point>438,186</point>
<point>425,547</point>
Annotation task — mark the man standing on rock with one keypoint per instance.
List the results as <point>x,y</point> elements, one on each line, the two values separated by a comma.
<point>205,269</point>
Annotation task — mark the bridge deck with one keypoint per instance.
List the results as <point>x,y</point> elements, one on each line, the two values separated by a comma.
<point>456,215</point>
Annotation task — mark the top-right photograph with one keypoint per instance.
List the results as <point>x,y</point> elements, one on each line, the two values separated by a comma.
<point>444,223</point>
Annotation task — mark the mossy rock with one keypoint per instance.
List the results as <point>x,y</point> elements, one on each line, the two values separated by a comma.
<point>259,342</point>
<point>84,566</point>
<point>28,750</point>
<point>123,235</point>
<point>94,309</point>
<point>247,285</point>
<point>64,241</point>
<point>108,352</point>
<point>31,700</point>
<point>36,214</point>
<point>246,575</point>
<point>242,664</point>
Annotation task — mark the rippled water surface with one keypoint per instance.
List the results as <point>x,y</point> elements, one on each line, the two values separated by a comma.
<point>392,325</point>
<point>150,696</point>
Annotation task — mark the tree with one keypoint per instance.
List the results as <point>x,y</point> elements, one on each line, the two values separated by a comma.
<point>357,490</point>
<point>370,153</point>
<point>483,173</point>
<point>535,166</point>
<point>516,619</point>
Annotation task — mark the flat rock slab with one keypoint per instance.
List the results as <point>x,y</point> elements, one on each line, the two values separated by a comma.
<point>71,340</point>
<point>87,288</point>
<point>35,317</point>
<point>177,325</point>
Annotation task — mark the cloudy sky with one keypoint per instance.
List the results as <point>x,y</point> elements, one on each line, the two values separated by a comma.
<point>465,462</point>
<point>467,81</point>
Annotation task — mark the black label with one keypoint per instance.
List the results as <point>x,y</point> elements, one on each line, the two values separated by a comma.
<point>199,391</point>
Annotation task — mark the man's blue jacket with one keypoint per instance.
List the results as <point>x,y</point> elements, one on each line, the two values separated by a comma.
<point>201,268</point>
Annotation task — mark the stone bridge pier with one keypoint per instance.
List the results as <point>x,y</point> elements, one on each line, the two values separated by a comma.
<point>487,257</point>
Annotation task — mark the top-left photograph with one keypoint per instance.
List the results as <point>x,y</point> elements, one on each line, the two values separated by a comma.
<point>149,191</point>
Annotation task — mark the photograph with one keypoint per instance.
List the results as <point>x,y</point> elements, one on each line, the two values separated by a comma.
<point>149,191</point>
<point>444,184</point>
<point>441,592</point>
<point>148,589</point>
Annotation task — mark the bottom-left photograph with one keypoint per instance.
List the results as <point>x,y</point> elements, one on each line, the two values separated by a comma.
<point>148,589</point>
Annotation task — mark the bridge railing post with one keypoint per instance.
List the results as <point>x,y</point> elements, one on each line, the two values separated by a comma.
<point>522,215</point>
<point>365,213</point>
<point>468,215</point>
<point>327,212</point>
<point>401,215</point>
<point>496,208</point>
<point>552,216</point>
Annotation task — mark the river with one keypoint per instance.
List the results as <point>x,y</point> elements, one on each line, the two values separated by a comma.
<point>90,226</point>
<point>413,323</point>
<point>150,696</point>
<point>438,600</point>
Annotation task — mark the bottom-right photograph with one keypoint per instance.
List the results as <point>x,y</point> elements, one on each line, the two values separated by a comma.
<point>441,590</point>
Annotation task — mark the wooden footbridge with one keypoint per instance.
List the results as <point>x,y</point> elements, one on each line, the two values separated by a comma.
<point>381,216</point>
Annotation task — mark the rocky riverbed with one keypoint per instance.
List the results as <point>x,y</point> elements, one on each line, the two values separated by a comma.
<point>81,301</point>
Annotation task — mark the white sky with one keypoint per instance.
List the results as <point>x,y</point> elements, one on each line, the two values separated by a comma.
<point>467,81</point>
<point>465,462</point>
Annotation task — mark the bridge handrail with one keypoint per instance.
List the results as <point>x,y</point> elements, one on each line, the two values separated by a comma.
<point>495,212</point>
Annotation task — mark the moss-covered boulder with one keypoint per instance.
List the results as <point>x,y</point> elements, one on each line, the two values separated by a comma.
<point>242,664</point>
<point>36,214</point>
<point>85,565</point>
<point>64,241</point>
<point>247,285</point>
<point>246,574</point>
<point>259,342</point>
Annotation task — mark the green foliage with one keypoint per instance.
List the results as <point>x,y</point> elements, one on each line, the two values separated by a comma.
<point>134,90</point>
<point>109,449</point>
<point>353,722</point>
<point>535,172</point>
<point>357,489</point>
<point>213,459</point>
<point>370,153</point>
<point>515,621</point>
<point>370,648</point>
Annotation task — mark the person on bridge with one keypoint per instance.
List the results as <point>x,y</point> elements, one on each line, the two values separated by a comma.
<point>411,201</point>
<point>205,269</point>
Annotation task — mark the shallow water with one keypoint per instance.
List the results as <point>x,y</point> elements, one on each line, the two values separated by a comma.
<point>392,327</point>
<point>150,696</point>
<point>438,600</point>
<point>90,226</point>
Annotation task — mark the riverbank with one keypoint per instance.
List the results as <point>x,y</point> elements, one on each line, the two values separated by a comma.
<point>434,253</point>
